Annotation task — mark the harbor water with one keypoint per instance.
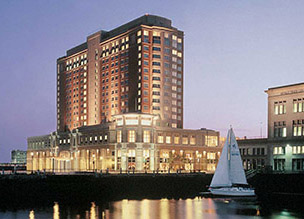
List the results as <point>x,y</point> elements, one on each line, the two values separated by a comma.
<point>161,208</point>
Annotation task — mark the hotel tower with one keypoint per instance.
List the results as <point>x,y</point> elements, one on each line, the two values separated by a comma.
<point>137,67</point>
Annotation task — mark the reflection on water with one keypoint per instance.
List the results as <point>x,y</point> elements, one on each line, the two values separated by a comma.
<point>149,209</point>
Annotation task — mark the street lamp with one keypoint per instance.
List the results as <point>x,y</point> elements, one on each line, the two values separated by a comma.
<point>32,155</point>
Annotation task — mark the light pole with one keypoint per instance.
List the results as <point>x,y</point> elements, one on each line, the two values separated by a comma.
<point>32,155</point>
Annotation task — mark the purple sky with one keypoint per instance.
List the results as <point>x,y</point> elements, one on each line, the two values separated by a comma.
<point>234,50</point>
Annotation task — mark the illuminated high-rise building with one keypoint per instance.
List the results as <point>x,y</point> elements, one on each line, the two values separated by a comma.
<point>137,67</point>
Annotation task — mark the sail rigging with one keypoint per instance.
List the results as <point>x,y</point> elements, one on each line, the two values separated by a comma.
<point>229,170</point>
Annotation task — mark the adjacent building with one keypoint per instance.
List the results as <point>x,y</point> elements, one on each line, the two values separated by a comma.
<point>120,106</point>
<point>18,157</point>
<point>284,147</point>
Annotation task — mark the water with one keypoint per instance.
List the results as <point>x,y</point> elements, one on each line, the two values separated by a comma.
<point>163,208</point>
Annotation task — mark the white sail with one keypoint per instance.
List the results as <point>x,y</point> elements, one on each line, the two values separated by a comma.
<point>221,175</point>
<point>236,172</point>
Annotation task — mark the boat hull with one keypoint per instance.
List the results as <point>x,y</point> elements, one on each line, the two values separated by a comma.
<point>232,191</point>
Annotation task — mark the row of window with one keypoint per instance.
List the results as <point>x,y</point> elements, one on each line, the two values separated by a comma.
<point>252,151</point>
<point>295,150</point>
<point>280,107</point>
<point>91,139</point>
<point>76,62</point>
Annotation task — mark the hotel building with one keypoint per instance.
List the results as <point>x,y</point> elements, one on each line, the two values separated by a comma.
<point>120,106</point>
<point>283,150</point>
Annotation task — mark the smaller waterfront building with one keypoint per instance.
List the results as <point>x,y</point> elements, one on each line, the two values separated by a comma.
<point>283,149</point>
<point>255,153</point>
<point>131,141</point>
<point>18,157</point>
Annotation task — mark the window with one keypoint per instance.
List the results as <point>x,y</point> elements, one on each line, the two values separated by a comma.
<point>156,39</point>
<point>156,63</point>
<point>156,56</point>
<point>279,164</point>
<point>211,156</point>
<point>185,139</point>
<point>167,42</point>
<point>298,105</point>
<point>176,139</point>
<point>160,139</point>
<point>168,139</point>
<point>156,71</point>
<point>131,136</point>
<point>280,129</point>
<point>192,140</point>
<point>279,107</point>
<point>119,136</point>
<point>279,150</point>
<point>298,149</point>
<point>146,136</point>
<point>211,141</point>
<point>156,48</point>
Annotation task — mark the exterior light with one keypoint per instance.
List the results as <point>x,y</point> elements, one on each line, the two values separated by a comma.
<point>101,158</point>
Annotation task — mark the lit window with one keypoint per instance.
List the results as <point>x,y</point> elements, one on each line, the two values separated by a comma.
<point>176,139</point>
<point>211,141</point>
<point>185,140</point>
<point>146,136</point>
<point>119,136</point>
<point>131,136</point>
<point>280,107</point>
<point>210,156</point>
<point>160,139</point>
<point>192,140</point>
<point>279,150</point>
<point>168,139</point>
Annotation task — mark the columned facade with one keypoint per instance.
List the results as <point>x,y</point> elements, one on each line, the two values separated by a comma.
<point>130,142</point>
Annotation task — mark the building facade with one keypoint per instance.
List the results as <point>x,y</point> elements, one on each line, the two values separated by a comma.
<point>285,142</point>
<point>131,141</point>
<point>18,156</point>
<point>137,67</point>
<point>255,153</point>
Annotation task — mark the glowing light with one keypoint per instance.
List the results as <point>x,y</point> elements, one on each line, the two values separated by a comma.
<point>32,214</point>
<point>145,209</point>
<point>93,214</point>
<point>164,209</point>
<point>56,211</point>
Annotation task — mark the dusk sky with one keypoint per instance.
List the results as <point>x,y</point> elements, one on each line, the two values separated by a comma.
<point>234,50</point>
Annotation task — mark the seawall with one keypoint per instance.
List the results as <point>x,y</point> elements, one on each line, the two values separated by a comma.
<point>285,190</point>
<point>28,190</point>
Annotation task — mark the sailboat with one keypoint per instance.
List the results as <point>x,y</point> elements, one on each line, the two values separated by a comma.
<point>229,178</point>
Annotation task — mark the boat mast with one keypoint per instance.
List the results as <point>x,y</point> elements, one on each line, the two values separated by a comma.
<point>229,154</point>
